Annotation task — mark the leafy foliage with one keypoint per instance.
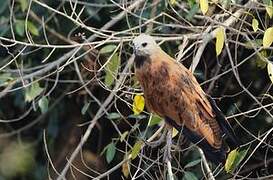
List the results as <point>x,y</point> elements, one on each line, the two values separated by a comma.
<point>204,6</point>
<point>43,104</point>
<point>66,74</point>
<point>110,150</point>
<point>138,104</point>
<point>112,69</point>
<point>220,39</point>
<point>268,37</point>
<point>234,159</point>
<point>33,91</point>
<point>136,149</point>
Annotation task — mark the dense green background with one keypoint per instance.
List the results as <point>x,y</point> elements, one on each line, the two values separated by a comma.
<point>45,109</point>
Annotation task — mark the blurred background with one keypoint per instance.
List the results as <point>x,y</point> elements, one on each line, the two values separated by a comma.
<point>71,107</point>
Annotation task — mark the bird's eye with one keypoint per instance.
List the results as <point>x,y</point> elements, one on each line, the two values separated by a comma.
<point>144,44</point>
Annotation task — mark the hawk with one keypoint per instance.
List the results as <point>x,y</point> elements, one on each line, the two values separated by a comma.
<point>172,92</point>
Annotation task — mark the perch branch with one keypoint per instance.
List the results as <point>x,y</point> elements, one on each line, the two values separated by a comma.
<point>210,174</point>
<point>209,36</point>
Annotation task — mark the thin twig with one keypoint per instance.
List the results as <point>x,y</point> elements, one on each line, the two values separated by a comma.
<point>170,172</point>
<point>210,174</point>
<point>209,36</point>
<point>95,119</point>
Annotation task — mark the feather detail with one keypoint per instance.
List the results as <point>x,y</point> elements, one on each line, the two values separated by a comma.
<point>172,91</point>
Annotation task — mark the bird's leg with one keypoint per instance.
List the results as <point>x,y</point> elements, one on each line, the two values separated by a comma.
<point>167,154</point>
<point>158,142</point>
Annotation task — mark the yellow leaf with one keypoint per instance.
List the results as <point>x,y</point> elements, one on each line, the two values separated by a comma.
<point>255,24</point>
<point>269,10</point>
<point>268,37</point>
<point>204,6</point>
<point>270,71</point>
<point>234,158</point>
<point>172,2</point>
<point>175,132</point>
<point>136,148</point>
<point>230,160</point>
<point>138,104</point>
<point>220,39</point>
<point>126,169</point>
<point>214,1</point>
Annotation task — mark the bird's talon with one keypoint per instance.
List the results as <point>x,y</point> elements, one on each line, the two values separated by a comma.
<point>167,154</point>
<point>158,142</point>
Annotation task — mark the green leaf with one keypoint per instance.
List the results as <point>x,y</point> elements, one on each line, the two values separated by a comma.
<point>139,116</point>
<point>123,136</point>
<point>43,104</point>
<point>5,78</point>
<point>192,163</point>
<point>256,43</point>
<point>240,156</point>
<point>108,49</point>
<point>229,166</point>
<point>32,28</point>
<point>189,176</point>
<point>85,108</point>
<point>194,9</point>
<point>155,120</point>
<point>268,37</point>
<point>234,158</point>
<point>23,4</point>
<point>136,148</point>
<point>110,152</point>
<point>33,91</point>
<point>260,59</point>
<point>20,27</point>
<point>112,69</point>
<point>191,3</point>
<point>113,116</point>
<point>255,24</point>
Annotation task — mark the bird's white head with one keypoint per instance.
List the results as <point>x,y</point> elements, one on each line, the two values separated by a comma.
<point>144,45</point>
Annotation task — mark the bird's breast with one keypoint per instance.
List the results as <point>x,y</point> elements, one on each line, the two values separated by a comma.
<point>154,78</point>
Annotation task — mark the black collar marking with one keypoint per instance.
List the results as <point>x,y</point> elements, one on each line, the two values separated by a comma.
<point>140,60</point>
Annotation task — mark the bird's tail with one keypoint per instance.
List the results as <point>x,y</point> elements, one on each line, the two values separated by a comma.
<point>211,153</point>
<point>232,141</point>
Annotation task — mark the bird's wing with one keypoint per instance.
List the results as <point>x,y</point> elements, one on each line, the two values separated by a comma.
<point>182,99</point>
<point>203,120</point>
<point>232,139</point>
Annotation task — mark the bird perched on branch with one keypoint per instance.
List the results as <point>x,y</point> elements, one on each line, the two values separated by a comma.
<point>172,92</point>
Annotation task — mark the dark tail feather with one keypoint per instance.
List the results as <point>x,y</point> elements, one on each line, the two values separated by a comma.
<point>212,154</point>
<point>232,140</point>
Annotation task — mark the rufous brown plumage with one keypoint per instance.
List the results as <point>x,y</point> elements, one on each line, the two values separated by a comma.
<point>172,92</point>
